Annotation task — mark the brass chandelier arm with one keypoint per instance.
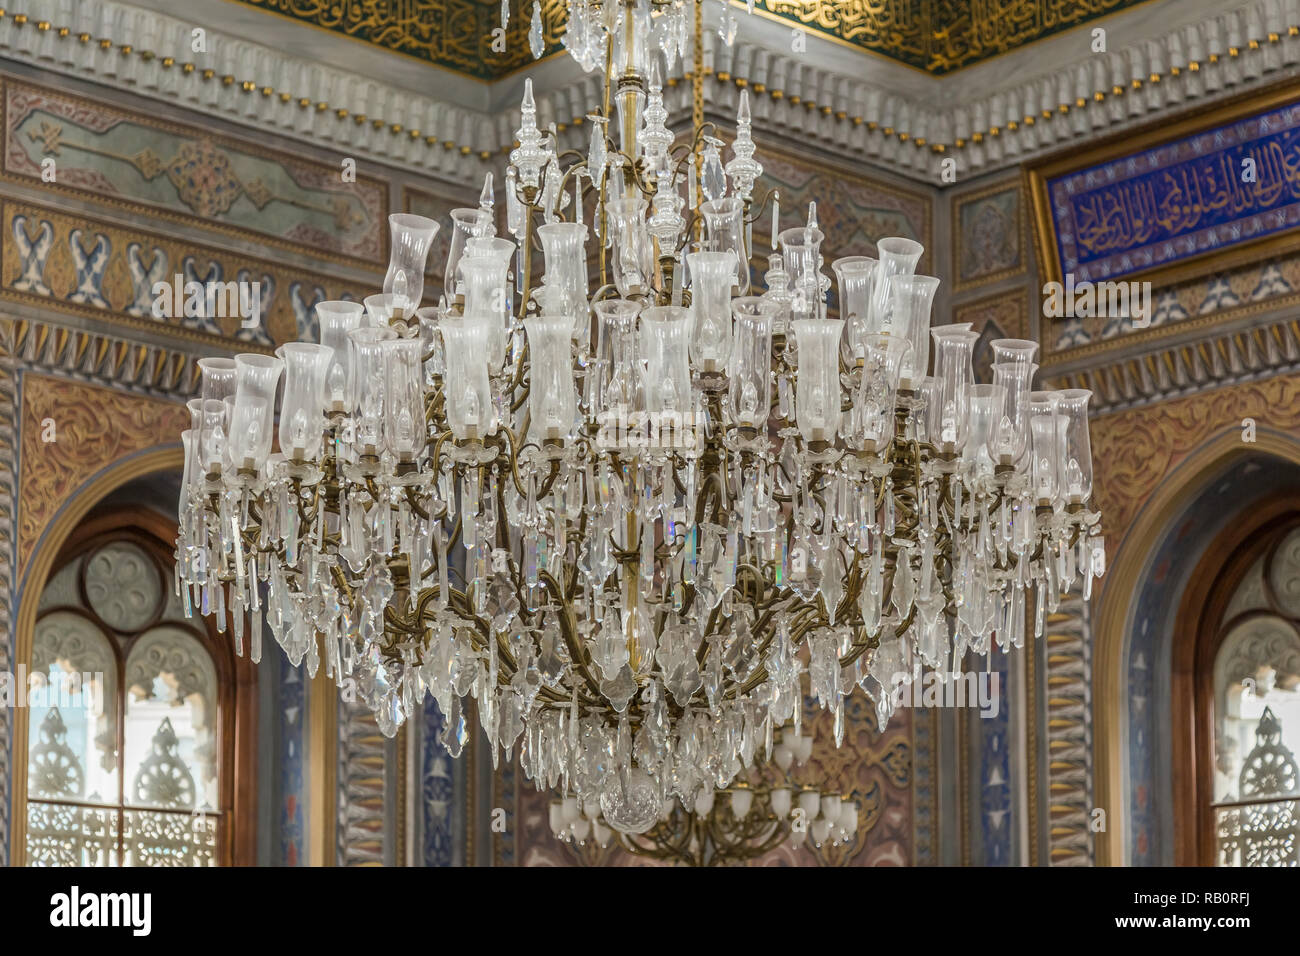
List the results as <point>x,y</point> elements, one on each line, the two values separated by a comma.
<point>572,641</point>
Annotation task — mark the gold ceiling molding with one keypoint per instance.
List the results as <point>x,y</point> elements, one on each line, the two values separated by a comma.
<point>456,34</point>
<point>936,36</point>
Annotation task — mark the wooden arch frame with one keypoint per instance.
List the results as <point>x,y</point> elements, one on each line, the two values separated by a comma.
<point>1197,639</point>
<point>1117,602</point>
<point>67,533</point>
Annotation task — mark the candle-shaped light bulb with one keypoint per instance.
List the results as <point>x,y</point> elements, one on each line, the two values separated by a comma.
<point>338,383</point>
<point>668,395</point>
<point>298,427</point>
<point>472,410</point>
<point>400,302</point>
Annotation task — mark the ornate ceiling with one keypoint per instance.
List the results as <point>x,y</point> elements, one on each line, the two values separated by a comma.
<point>456,34</point>
<point>940,36</point>
<point>937,36</point>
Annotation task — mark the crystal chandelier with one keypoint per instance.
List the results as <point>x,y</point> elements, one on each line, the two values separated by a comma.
<point>757,813</point>
<point>626,507</point>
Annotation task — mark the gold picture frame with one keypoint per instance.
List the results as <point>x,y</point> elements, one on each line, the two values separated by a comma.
<point>1036,176</point>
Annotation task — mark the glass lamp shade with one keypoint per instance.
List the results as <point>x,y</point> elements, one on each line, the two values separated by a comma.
<point>1044,446</point>
<point>465,224</point>
<point>953,347</point>
<point>631,260</point>
<point>781,802</point>
<point>336,320</point>
<point>253,418</point>
<point>898,257</point>
<point>986,404</point>
<point>1009,440</point>
<point>564,245</point>
<point>751,361</point>
<point>381,309</point>
<point>503,250</point>
<point>712,275</point>
<point>552,401</point>
<point>195,408</point>
<point>404,427</point>
<point>801,247</point>
<point>725,221</point>
<point>742,801</point>
<point>216,385</point>
<point>817,395</point>
<point>301,410</point>
<point>484,279</point>
<point>911,298</point>
<point>412,236</point>
<point>616,352</point>
<point>873,412</point>
<point>928,392</point>
<point>1076,445</point>
<point>1013,351</point>
<point>193,460</point>
<point>855,275</point>
<point>468,389</point>
<point>665,340</point>
<point>431,343</point>
<point>368,362</point>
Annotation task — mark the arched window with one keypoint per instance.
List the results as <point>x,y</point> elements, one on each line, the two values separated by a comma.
<point>131,729</point>
<point>1256,701</point>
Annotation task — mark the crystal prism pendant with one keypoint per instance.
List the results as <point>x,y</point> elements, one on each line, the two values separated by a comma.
<point>713,178</point>
<point>536,42</point>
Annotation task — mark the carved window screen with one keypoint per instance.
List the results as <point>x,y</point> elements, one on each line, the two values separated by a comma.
<point>124,729</point>
<point>1257,714</point>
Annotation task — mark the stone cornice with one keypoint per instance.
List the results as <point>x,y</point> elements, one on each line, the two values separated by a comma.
<point>1244,353</point>
<point>1244,43</point>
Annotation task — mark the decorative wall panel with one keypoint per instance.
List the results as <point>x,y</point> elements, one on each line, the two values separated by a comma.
<point>87,267</point>
<point>999,316</point>
<point>989,241</point>
<point>1220,296</point>
<point>852,210</point>
<point>1211,184</point>
<point>1067,675</point>
<point>1133,451</point>
<point>184,172</point>
<point>997,763</point>
<point>93,427</point>
<point>437,791</point>
<point>8,502</point>
<point>291,743</point>
<point>361,824</point>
